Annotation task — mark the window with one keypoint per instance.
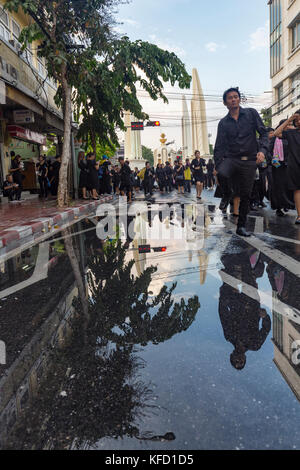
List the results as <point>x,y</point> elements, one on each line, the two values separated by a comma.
<point>4,25</point>
<point>295,35</point>
<point>275,36</point>
<point>279,98</point>
<point>296,89</point>
<point>41,68</point>
<point>16,30</point>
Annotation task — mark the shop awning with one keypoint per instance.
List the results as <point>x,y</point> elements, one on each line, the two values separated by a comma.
<point>26,134</point>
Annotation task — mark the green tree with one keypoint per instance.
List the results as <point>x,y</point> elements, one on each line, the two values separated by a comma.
<point>110,87</point>
<point>71,34</point>
<point>266,114</point>
<point>96,72</point>
<point>148,155</point>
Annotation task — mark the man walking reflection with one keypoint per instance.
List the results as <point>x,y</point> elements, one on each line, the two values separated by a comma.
<point>245,324</point>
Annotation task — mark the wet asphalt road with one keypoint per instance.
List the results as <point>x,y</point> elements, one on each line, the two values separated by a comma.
<point>208,363</point>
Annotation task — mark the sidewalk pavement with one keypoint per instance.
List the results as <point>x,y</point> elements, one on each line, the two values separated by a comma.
<point>23,222</point>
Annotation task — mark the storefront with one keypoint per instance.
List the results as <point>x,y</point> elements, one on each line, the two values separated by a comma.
<point>26,143</point>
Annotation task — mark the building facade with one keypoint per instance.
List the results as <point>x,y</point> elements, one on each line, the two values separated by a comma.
<point>28,113</point>
<point>285,57</point>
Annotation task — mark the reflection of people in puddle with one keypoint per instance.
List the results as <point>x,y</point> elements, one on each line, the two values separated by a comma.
<point>241,315</point>
<point>169,436</point>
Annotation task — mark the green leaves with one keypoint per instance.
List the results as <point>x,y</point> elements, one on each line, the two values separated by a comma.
<point>79,46</point>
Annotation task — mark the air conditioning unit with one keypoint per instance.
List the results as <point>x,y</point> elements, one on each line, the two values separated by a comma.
<point>13,72</point>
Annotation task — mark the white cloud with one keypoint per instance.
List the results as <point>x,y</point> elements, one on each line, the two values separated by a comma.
<point>130,22</point>
<point>213,46</point>
<point>167,46</point>
<point>260,38</point>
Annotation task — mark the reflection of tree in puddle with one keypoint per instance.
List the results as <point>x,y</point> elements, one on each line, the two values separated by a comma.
<point>94,390</point>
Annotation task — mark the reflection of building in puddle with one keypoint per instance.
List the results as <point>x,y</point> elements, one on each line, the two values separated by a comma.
<point>39,318</point>
<point>286,334</point>
<point>20,382</point>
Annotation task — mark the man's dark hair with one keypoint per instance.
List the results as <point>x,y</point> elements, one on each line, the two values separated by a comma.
<point>294,122</point>
<point>121,159</point>
<point>230,90</point>
<point>238,361</point>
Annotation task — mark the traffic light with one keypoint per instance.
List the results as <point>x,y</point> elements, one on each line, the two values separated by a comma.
<point>153,124</point>
<point>160,249</point>
<point>137,126</point>
<point>144,249</point>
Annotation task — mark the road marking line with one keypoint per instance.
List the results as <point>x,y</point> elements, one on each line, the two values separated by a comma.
<point>280,258</point>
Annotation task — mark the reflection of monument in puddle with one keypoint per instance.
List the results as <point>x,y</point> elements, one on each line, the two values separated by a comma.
<point>189,224</point>
<point>193,243</point>
<point>140,230</point>
<point>286,334</point>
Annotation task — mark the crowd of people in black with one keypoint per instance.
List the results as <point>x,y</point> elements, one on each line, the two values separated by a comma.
<point>47,171</point>
<point>251,162</point>
<point>100,178</point>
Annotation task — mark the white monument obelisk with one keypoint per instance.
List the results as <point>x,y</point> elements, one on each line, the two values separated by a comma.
<point>133,146</point>
<point>199,125</point>
<point>186,130</point>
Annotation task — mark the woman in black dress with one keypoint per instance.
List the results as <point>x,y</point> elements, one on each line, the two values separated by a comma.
<point>93,180</point>
<point>292,135</point>
<point>281,196</point>
<point>197,168</point>
<point>83,177</point>
<point>42,172</point>
<point>160,177</point>
<point>179,177</point>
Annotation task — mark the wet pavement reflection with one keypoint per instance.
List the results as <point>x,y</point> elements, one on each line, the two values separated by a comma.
<point>195,347</point>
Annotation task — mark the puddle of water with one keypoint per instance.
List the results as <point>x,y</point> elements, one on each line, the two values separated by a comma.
<point>207,363</point>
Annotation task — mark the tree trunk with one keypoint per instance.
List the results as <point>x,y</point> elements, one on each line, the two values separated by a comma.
<point>62,195</point>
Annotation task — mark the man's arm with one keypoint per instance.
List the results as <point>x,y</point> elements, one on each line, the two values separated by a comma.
<point>220,146</point>
<point>283,127</point>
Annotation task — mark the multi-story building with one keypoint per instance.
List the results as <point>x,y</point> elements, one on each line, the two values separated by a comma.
<point>285,57</point>
<point>28,113</point>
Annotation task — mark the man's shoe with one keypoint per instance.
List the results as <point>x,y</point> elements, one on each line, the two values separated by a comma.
<point>242,232</point>
<point>224,203</point>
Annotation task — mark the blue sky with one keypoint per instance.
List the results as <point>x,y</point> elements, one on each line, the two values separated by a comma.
<point>227,41</point>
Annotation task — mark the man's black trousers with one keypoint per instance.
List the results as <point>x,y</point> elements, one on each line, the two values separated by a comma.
<point>244,171</point>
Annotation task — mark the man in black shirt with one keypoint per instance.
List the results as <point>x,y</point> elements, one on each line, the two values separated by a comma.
<point>11,189</point>
<point>237,151</point>
<point>125,179</point>
<point>148,180</point>
<point>169,177</point>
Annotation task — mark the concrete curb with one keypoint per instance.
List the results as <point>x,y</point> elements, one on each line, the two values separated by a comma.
<point>15,236</point>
